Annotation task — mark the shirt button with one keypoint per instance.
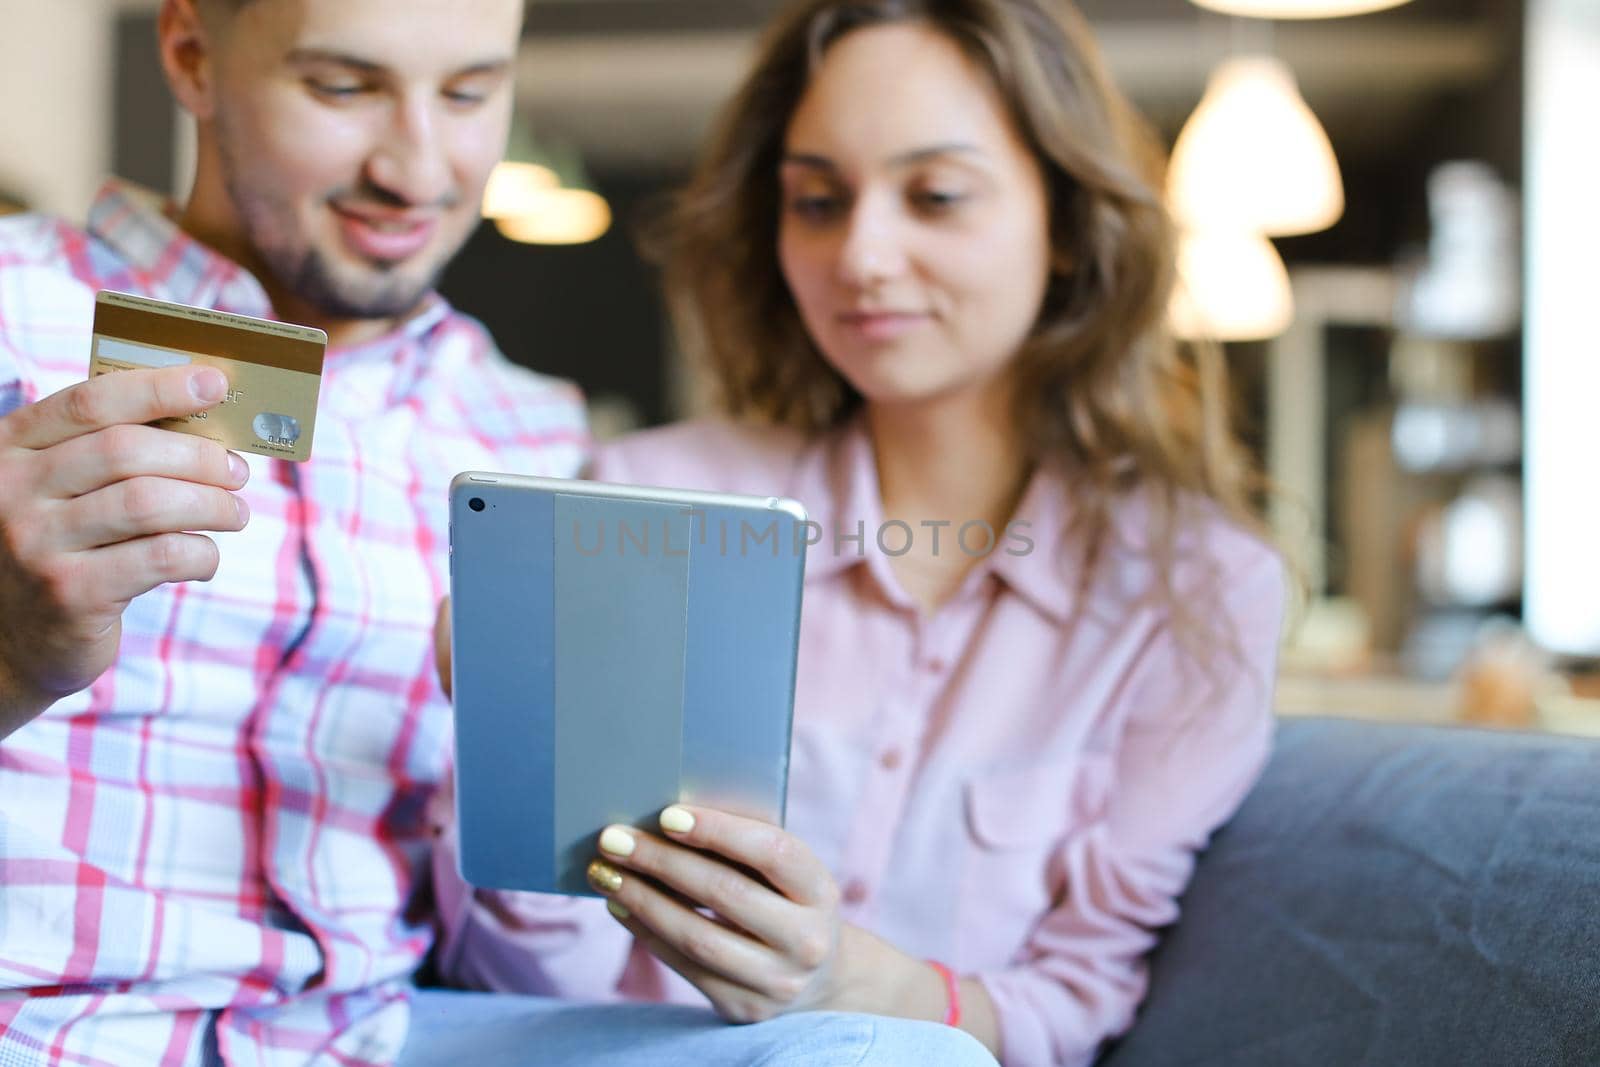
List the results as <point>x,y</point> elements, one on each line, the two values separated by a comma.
<point>890,760</point>
<point>855,892</point>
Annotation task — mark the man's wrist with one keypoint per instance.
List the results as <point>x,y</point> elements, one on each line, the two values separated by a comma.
<point>17,713</point>
<point>19,704</point>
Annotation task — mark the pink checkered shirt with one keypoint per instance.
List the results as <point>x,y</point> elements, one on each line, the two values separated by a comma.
<point>213,853</point>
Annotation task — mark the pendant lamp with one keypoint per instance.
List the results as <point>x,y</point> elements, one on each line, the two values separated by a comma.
<point>1297,9</point>
<point>1232,286</point>
<point>1254,157</point>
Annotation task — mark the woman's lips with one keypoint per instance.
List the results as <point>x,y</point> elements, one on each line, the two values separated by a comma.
<point>385,238</point>
<point>882,325</point>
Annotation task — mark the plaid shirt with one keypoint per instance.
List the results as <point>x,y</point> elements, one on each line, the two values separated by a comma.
<point>212,853</point>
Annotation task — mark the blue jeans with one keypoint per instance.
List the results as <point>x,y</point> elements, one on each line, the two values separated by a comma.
<point>503,1030</point>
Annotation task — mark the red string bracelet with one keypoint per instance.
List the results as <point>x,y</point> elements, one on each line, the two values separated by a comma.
<point>952,991</point>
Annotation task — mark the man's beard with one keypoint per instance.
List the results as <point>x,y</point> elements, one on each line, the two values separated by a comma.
<point>309,277</point>
<point>307,273</point>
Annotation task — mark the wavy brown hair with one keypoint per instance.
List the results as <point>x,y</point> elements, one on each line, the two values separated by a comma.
<point>1103,392</point>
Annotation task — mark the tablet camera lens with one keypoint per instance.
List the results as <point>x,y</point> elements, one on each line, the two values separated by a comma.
<point>476,503</point>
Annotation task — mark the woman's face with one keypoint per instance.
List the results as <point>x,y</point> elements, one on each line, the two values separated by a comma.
<point>915,222</point>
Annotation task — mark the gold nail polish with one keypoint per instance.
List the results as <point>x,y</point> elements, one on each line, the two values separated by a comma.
<point>617,909</point>
<point>617,841</point>
<point>677,820</point>
<point>604,877</point>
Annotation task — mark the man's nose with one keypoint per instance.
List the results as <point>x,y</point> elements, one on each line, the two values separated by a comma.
<point>410,161</point>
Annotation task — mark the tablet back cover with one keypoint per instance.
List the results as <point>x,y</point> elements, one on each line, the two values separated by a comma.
<point>613,656</point>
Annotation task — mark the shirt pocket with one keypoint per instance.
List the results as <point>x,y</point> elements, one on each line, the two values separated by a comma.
<point>1018,821</point>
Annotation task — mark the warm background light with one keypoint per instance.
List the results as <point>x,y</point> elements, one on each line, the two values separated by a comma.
<point>1232,286</point>
<point>1254,157</point>
<point>559,217</point>
<point>529,203</point>
<point>1298,9</point>
<point>513,188</point>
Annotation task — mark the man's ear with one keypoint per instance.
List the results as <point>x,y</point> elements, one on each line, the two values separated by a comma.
<point>186,42</point>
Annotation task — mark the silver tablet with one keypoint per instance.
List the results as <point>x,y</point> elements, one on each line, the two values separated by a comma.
<point>616,649</point>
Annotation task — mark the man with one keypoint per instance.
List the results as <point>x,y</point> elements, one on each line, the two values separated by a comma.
<point>212,795</point>
<point>211,844</point>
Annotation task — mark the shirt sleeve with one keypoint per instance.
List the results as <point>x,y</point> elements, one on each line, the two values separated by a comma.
<point>1197,736</point>
<point>15,391</point>
<point>533,943</point>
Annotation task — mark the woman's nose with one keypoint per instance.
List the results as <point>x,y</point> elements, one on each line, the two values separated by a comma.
<point>872,252</point>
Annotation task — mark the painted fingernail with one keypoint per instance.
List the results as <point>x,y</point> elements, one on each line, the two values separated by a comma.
<point>617,909</point>
<point>617,841</point>
<point>676,820</point>
<point>238,469</point>
<point>604,877</point>
<point>244,510</point>
<point>208,384</point>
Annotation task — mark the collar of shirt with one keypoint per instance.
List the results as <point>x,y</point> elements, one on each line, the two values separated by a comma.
<point>837,479</point>
<point>138,225</point>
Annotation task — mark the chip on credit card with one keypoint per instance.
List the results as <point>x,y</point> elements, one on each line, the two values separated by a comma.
<point>274,369</point>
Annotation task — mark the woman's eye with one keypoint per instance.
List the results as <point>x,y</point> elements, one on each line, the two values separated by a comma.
<point>814,207</point>
<point>938,199</point>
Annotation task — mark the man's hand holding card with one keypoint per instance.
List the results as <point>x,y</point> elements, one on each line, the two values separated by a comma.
<point>98,504</point>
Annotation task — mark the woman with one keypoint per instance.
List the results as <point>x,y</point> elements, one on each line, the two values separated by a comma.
<point>927,262</point>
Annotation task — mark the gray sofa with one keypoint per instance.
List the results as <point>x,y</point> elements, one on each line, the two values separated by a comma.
<point>1391,895</point>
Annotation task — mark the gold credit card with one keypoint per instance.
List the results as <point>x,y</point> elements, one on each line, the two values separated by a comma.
<point>274,369</point>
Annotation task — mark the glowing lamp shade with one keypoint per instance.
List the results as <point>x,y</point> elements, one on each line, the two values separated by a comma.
<point>559,217</point>
<point>514,187</point>
<point>1232,286</point>
<point>1298,9</point>
<point>529,204</point>
<point>1254,157</point>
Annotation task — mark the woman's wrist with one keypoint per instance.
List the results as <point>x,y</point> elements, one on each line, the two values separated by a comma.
<point>879,979</point>
<point>875,977</point>
<point>952,993</point>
